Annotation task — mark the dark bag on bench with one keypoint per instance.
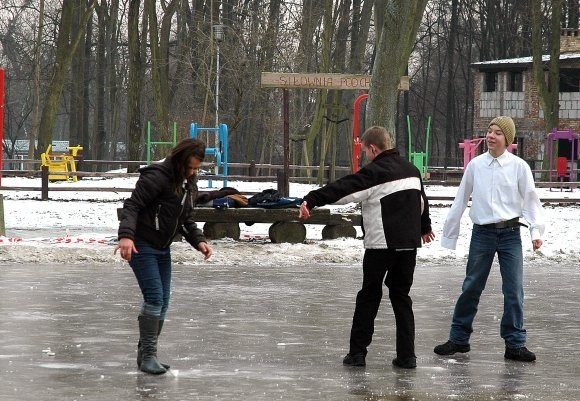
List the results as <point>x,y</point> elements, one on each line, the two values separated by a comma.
<point>281,203</point>
<point>267,195</point>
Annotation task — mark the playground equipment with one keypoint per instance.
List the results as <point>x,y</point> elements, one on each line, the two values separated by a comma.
<point>355,132</point>
<point>565,167</point>
<point>220,150</point>
<point>470,147</point>
<point>151,143</point>
<point>63,163</point>
<point>420,159</point>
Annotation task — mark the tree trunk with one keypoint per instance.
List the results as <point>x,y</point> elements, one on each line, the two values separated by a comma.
<point>359,37</point>
<point>402,19</point>
<point>159,44</point>
<point>99,136</point>
<point>548,93</point>
<point>66,47</point>
<point>114,78</point>
<point>312,12</point>
<point>317,123</point>
<point>334,112</point>
<point>36,83</point>
<point>450,104</point>
<point>77,135</point>
<point>135,83</point>
<point>268,46</point>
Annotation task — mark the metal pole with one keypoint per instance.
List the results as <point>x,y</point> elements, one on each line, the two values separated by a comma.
<point>286,143</point>
<point>2,226</point>
<point>1,119</point>
<point>217,105</point>
<point>427,145</point>
<point>217,90</point>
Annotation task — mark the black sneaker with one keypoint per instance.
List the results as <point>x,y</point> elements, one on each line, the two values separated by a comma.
<point>519,354</point>
<point>405,363</point>
<point>450,348</point>
<point>354,360</point>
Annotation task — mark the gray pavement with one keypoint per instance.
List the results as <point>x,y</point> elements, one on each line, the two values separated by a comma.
<point>273,332</point>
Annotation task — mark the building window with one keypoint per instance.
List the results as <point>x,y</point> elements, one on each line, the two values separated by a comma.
<point>515,81</point>
<point>569,80</point>
<point>490,82</point>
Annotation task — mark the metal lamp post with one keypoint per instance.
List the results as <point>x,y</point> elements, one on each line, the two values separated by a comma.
<point>218,35</point>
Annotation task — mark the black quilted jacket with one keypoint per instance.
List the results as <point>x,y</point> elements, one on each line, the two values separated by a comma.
<point>156,213</point>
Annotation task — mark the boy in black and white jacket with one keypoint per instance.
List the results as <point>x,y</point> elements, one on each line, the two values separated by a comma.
<point>395,215</point>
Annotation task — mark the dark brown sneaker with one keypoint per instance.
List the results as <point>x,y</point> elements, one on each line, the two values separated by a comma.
<point>519,354</point>
<point>354,360</point>
<point>405,363</point>
<point>450,348</point>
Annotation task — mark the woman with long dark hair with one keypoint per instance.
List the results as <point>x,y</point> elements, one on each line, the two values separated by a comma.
<point>160,207</point>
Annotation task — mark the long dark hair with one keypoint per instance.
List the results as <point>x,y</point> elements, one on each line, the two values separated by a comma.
<point>181,153</point>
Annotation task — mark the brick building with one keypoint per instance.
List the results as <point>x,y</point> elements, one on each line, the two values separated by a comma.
<point>506,87</point>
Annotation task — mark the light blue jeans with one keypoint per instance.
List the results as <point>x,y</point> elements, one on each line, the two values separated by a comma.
<point>485,243</point>
<point>152,268</point>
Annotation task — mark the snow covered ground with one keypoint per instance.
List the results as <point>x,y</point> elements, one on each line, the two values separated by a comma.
<point>80,227</point>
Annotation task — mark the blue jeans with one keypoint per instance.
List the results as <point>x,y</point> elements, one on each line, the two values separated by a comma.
<point>485,243</point>
<point>152,268</point>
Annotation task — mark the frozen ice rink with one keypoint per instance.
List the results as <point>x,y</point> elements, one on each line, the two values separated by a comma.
<point>69,332</point>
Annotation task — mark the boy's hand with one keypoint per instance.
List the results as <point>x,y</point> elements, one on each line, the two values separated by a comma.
<point>304,211</point>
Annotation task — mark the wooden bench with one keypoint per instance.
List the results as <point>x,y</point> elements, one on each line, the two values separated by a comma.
<point>285,224</point>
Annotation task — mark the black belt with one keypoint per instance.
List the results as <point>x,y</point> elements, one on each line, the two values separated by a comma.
<point>504,224</point>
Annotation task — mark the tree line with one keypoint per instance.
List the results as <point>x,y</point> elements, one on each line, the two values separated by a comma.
<point>94,72</point>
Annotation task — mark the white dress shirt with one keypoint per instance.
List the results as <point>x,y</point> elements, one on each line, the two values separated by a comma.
<point>501,189</point>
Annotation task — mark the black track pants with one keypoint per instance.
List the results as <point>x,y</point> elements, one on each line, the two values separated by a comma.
<point>399,267</point>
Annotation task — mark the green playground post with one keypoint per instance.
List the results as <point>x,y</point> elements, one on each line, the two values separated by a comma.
<point>149,143</point>
<point>409,130</point>
<point>427,145</point>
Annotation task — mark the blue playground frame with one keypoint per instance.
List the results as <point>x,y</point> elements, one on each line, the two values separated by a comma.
<point>219,152</point>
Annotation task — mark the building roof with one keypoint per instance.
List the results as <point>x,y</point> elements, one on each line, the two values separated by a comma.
<point>522,61</point>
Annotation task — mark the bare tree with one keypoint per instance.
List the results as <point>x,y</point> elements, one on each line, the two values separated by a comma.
<point>98,143</point>
<point>398,32</point>
<point>137,38</point>
<point>321,96</point>
<point>450,106</point>
<point>66,46</point>
<point>547,91</point>
<point>159,45</point>
<point>36,86</point>
<point>79,79</point>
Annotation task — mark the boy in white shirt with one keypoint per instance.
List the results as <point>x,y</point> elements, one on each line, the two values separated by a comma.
<point>502,189</point>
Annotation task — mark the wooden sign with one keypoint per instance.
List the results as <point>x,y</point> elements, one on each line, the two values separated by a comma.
<point>321,81</point>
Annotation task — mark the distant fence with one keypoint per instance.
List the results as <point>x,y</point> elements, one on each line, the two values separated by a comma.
<point>267,172</point>
<point>250,167</point>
